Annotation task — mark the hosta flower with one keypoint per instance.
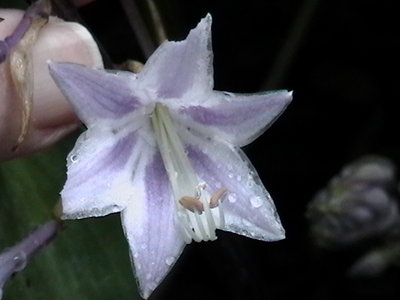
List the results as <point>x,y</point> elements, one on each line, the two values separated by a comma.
<point>162,148</point>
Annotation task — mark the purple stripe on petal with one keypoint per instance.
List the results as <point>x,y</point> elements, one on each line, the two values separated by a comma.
<point>156,241</point>
<point>237,111</point>
<point>98,181</point>
<point>156,181</point>
<point>247,215</point>
<point>178,74</point>
<point>107,162</point>
<point>178,67</point>
<point>95,93</point>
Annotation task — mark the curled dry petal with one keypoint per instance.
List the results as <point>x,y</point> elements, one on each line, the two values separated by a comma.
<point>21,65</point>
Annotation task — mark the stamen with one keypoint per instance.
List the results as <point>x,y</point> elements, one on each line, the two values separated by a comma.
<point>191,203</point>
<point>195,207</point>
<point>219,195</point>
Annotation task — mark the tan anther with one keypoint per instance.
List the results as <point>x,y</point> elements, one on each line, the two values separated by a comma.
<point>192,203</point>
<point>219,195</point>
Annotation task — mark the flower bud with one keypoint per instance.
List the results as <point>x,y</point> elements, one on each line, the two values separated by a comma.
<point>371,169</point>
<point>357,205</point>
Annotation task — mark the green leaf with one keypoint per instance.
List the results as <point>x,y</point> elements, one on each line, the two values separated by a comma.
<point>89,260</point>
<point>21,4</point>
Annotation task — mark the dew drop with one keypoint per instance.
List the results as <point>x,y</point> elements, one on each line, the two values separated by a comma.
<point>232,197</point>
<point>239,178</point>
<point>73,158</point>
<point>20,261</point>
<point>256,201</point>
<point>230,175</point>
<point>170,260</point>
<point>228,94</point>
<point>249,183</point>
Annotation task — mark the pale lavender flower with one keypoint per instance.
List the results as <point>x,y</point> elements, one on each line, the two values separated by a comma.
<point>162,148</point>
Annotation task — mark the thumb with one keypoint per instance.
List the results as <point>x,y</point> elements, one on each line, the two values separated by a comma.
<point>51,115</point>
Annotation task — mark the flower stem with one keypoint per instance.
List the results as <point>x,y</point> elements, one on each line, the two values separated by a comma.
<point>139,27</point>
<point>40,9</point>
<point>289,49</point>
<point>14,259</point>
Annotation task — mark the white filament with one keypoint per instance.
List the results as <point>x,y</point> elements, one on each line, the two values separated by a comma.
<point>196,225</point>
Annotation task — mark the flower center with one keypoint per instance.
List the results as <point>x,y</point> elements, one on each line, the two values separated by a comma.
<point>198,213</point>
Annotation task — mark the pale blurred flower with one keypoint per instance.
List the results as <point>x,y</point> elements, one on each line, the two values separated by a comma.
<point>358,204</point>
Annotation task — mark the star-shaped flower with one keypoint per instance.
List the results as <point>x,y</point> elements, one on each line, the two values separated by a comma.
<point>162,148</point>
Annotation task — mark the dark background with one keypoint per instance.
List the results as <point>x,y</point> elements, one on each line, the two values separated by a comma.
<point>341,59</point>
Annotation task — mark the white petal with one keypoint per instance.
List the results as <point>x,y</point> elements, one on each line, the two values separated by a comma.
<point>248,207</point>
<point>236,118</point>
<point>177,68</point>
<point>149,223</point>
<point>100,171</point>
<point>96,94</point>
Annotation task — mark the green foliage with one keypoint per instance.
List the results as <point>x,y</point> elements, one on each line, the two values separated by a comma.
<point>89,260</point>
<point>21,4</point>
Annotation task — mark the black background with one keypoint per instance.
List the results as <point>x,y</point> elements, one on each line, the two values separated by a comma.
<point>343,69</point>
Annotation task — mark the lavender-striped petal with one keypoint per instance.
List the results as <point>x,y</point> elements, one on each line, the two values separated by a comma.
<point>96,94</point>
<point>235,118</point>
<point>176,68</point>
<point>248,207</point>
<point>150,227</point>
<point>100,169</point>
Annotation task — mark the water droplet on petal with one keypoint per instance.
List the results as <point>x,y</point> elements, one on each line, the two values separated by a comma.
<point>170,260</point>
<point>232,197</point>
<point>73,158</point>
<point>228,94</point>
<point>256,201</point>
<point>20,261</point>
<point>230,175</point>
<point>239,178</point>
